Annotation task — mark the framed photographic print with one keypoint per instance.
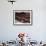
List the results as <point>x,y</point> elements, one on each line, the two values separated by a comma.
<point>22,17</point>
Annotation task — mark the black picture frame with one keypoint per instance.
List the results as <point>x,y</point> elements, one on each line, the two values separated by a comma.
<point>24,15</point>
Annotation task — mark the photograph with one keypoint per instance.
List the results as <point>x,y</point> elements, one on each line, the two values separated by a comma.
<point>22,16</point>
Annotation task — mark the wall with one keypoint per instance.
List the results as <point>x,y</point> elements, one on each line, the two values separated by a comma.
<point>38,29</point>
